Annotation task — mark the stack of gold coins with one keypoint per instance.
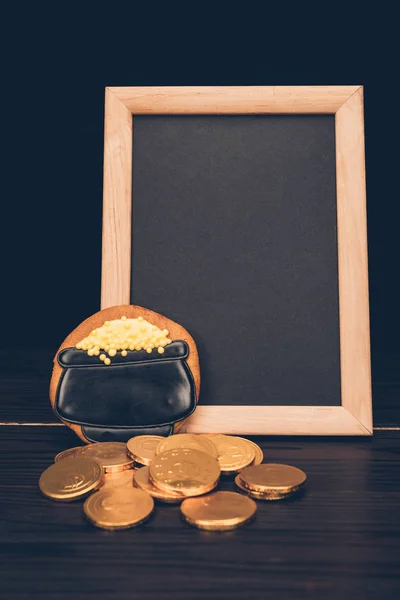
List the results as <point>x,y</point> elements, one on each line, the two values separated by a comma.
<point>121,481</point>
<point>271,481</point>
<point>235,453</point>
<point>142,480</point>
<point>182,465</point>
<point>105,466</point>
<point>186,475</point>
<point>185,471</point>
<point>112,456</point>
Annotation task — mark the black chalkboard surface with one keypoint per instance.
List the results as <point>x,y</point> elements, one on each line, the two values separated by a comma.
<point>235,237</point>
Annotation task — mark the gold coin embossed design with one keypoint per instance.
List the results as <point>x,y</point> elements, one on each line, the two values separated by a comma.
<point>234,453</point>
<point>273,478</point>
<point>185,470</point>
<point>116,479</point>
<point>111,455</point>
<point>258,453</point>
<point>119,509</point>
<point>142,480</point>
<point>71,479</point>
<point>260,495</point>
<point>142,448</point>
<point>70,453</point>
<point>187,440</point>
<point>219,511</point>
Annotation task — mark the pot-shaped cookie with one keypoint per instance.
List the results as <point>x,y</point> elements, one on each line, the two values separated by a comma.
<point>125,371</point>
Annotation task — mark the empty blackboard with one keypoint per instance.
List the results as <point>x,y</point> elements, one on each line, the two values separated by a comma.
<point>234,236</point>
<point>240,213</point>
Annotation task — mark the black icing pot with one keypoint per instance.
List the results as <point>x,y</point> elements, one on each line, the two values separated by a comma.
<point>137,394</point>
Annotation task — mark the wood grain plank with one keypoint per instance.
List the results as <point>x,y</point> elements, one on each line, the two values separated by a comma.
<point>233,99</point>
<point>353,261</point>
<point>340,540</point>
<point>117,203</point>
<point>274,420</point>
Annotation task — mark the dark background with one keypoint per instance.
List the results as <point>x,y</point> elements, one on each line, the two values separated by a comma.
<point>340,540</point>
<point>56,64</point>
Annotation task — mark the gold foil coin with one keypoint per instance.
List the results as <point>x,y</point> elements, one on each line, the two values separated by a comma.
<point>234,453</point>
<point>219,511</point>
<point>185,470</point>
<point>258,453</point>
<point>116,479</point>
<point>187,440</point>
<point>119,509</point>
<point>72,479</point>
<point>111,456</point>
<point>142,480</point>
<point>142,448</point>
<point>259,495</point>
<point>272,478</point>
<point>70,453</point>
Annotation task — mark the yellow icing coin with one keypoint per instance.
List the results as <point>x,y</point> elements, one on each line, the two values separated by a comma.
<point>124,334</point>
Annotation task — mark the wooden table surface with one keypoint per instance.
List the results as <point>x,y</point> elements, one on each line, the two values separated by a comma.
<point>340,540</point>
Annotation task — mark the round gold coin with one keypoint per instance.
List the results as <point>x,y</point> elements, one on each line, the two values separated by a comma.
<point>185,470</point>
<point>111,456</point>
<point>272,478</point>
<point>119,509</point>
<point>219,511</point>
<point>142,480</point>
<point>260,495</point>
<point>70,453</point>
<point>187,440</point>
<point>116,479</point>
<point>234,453</point>
<point>71,479</point>
<point>258,453</point>
<point>142,448</point>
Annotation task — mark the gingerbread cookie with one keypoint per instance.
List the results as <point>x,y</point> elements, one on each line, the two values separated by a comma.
<point>125,371</point>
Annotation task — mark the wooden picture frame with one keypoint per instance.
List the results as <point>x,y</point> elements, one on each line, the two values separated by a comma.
<point>354,416</point>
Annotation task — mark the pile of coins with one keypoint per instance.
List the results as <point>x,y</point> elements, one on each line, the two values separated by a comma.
<point>121,335</point>
<point>271,481</point>
<point>121,481</point>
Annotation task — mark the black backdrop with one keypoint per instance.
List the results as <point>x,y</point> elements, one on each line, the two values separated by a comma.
<point>57,66</point>
<point>234,236</point>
